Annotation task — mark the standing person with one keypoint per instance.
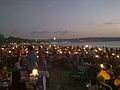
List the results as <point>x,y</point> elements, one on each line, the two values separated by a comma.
<point>41,60</point>
<point>41,55</point>
<point>43,68</point>
<point>17,64</point>
<point>31,59</point>
<point>39,84</point>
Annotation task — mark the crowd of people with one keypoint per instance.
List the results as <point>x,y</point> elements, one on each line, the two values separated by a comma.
<point>18,61</point>
<point>20,66</point>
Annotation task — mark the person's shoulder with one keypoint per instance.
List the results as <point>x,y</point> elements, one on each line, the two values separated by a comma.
<point>32,54</point>
<point>100,78</point>
<point>21,82</point>
<point>22,85</point>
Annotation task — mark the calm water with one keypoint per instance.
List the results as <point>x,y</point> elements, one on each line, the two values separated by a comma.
<point>115,44</point>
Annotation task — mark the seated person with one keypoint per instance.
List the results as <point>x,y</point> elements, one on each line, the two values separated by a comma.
<point>104,77</point>
<point>5,77</point>
<point>17,83</point>
<point>117,82</point>
<point>1,74</point>
<point>4,74</point>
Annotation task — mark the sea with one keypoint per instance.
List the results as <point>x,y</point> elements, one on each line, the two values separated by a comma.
<point>109,44</point>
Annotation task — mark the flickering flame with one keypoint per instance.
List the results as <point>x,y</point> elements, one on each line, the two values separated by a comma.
<point>34,72</point>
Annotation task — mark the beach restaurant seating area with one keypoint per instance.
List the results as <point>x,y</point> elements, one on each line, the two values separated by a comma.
<point>82,62</point>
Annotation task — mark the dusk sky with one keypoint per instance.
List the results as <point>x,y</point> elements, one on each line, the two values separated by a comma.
<point>43,19</point>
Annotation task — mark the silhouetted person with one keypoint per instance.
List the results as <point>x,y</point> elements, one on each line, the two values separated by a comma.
<point>31,59</point>
<point>17,84</point>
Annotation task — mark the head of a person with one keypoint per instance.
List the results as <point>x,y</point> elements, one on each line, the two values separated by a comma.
<point>117,72</point>
<point>3,67</point>
<point>30,48</point>
<point>93,81</point>
<point>16,76</point>
<point>108,68</point>
<point>39,48</point>
<point>0,67</point>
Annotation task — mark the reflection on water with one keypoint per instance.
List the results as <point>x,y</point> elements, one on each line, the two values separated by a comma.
<point>95,44</point>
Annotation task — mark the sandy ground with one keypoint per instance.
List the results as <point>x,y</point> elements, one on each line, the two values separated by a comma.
<point>59,80</point>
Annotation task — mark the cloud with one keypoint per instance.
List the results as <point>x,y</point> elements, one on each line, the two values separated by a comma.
<point>14,32</point>
<point>60,32</point>
<point>46,33</point>
<point>114,22</point>
<point>56,32</point>
<point>39,32</point>
<point>109,23</point>
<point>65,32</point>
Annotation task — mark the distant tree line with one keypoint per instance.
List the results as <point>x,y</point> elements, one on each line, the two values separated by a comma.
<point>89,39</point>
<point>2,38</point>
<point>12,39</point>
